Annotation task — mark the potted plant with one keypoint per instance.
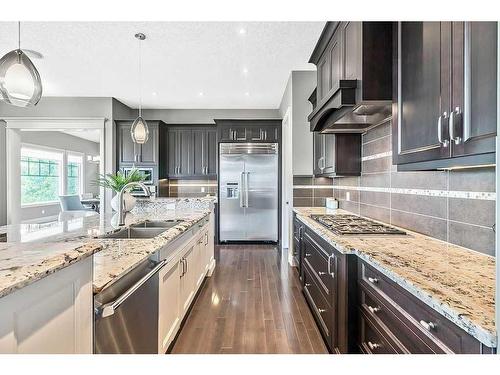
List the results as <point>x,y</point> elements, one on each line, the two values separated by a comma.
<point>116,182</point>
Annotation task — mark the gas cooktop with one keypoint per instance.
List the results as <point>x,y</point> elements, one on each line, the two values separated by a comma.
<point>352,224</point>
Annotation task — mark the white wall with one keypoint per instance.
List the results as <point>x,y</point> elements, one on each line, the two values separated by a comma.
<point>65,142</point>
<point>66,107</point>
<point>299,87</point>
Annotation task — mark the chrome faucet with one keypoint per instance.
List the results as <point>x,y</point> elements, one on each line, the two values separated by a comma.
<point>121,203</point>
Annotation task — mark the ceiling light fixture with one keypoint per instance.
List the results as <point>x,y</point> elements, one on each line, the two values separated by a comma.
<point>20,82</point>
<point>247,94</point>
<point>242,31</point>
<point>200,93</point>
<point>245,70</point>
<point>140,130</point>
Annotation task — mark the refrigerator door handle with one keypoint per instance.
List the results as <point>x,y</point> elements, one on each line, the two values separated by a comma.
<point>246,188</point>
<point>242,189</point>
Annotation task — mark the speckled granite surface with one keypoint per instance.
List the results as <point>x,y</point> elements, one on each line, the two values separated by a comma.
<point>34,251</point>
<point>118,256</point>
<point>456,282</point>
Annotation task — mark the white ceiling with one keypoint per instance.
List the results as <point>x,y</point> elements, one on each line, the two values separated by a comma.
<point>185,64</point>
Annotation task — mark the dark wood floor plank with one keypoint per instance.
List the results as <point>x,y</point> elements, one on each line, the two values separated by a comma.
<point>252,304</point>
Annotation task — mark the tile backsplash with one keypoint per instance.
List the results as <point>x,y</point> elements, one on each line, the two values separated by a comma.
<point>187,188</point>
<point>456,206</point>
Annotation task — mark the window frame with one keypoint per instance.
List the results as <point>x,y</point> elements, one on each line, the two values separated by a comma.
<point>63,171</point>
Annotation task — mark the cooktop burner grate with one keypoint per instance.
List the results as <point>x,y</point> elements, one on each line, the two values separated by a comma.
<point>352,224</point>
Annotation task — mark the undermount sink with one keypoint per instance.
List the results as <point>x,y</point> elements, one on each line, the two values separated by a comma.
<point>135,233</point>
<point>156,224</point>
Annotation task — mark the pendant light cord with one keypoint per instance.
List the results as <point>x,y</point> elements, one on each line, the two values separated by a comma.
<point>19,35</point>
<point>140,78</point>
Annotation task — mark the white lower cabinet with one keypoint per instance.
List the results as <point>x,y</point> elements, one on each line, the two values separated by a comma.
<point>180,283</point>
<point>51,316</point>
<point>169,305</point>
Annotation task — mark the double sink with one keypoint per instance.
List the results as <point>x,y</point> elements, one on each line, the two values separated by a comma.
<point>142,230</point>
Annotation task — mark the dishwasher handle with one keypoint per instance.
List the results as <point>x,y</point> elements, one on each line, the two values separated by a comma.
<point>108,309</point>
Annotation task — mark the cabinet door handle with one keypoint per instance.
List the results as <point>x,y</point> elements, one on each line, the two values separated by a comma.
<point>373,346</point>
<point>308,254</point>
<point>330,257</point>
<point>429,326</point>
<point>373,280</point>
<point>442,142</point>
<point>321,311</point>
<point>321,273</point>
<point>373,310</point>
<point>455,116</point>
<point>307,285</point>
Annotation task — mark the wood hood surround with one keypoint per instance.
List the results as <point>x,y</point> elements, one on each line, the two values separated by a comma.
<point>354,64</point>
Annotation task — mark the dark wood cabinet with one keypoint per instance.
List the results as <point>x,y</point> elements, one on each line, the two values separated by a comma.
<point>192,151</point>
<point>329,289</point>
<point>249,130</point>
<point>354,78</point>
<point>359,309</point>
<point>129,153</point>
<point>445,89</point>
<point>298,232</point>
<point>405,324</point>
<point>336,154</point>
<point>205,151</point>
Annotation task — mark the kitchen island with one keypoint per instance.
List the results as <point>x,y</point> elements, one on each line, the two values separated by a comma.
<point>50,272</point>
<point>455,282</point>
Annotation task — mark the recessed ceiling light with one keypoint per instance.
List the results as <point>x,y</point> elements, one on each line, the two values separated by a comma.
<point>245,70</point>
<point>247,94</point>
<point>200,93</point>
<point>154,93</point>
<point>242,31</point>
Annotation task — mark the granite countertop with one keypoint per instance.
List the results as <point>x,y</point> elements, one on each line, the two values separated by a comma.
<point>31,252</point>
<point>456,282</point>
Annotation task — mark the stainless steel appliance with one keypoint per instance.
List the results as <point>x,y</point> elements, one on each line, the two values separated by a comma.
<point>149,181</point>
<point>351,224</point>
<point>248,192</point>
<point>126,313</point>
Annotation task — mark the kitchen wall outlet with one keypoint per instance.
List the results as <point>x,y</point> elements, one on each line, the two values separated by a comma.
<point>348,196</point>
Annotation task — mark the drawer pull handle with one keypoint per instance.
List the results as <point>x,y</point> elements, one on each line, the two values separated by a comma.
<point>373,310</point>
<point>307,285</point>
<point>321,311</point>
<point>428,325</point>
<point>308,254</point>
<point>373,346</point>
<point>373,280</point>
<point>321,273</point>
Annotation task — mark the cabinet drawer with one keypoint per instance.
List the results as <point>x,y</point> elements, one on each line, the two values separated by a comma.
<point>321,309</point>
<point>381,313</point>
<point>428,323</point>
<point>372,340</point>
<point>321,265</point>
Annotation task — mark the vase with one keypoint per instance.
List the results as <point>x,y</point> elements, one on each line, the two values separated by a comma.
<point>129,202</point>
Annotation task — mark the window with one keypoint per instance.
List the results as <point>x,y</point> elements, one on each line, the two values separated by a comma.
<point>43,171</point>
<point>40,176</point>
<point>74,175</point>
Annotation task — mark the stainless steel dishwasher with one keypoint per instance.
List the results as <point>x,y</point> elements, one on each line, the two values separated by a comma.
<point>126,313</point>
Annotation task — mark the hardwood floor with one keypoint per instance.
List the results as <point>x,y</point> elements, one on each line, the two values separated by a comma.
<point>252,304</point>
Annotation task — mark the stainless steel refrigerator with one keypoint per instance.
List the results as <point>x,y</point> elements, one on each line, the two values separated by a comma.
<point>248,192</point>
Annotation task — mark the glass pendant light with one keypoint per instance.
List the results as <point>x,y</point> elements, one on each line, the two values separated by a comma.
<point>139,130</point>
<point>20,82</point>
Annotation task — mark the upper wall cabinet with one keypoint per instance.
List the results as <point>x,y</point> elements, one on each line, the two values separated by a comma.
<point>188,151</point>
<point>266,130</point>
<point>336,155</point>
<point>445,94</point>
<point>129,153</point>
<point>354,76</point>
